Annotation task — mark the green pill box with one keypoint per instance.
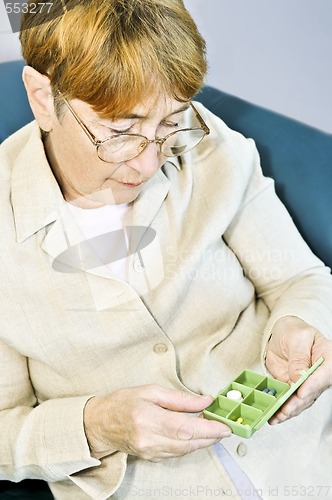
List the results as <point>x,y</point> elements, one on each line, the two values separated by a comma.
<point>261,397</point>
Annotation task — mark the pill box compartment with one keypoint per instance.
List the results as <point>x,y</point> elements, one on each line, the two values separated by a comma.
<point>262,396</point>
<point>242,416</point>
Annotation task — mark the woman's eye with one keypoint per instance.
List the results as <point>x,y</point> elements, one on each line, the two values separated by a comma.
<point>114,131</point>
<point>105,132</point>
<point>170,124</point>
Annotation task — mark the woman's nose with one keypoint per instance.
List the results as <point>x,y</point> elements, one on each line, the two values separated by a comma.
<point>148,161</point>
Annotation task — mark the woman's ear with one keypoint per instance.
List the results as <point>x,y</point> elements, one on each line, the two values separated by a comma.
<point>40,97</point>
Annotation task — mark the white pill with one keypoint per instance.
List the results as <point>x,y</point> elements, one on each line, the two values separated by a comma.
<point>234,395</point>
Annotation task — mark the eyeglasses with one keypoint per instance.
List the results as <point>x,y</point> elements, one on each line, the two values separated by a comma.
<point>124,147</point>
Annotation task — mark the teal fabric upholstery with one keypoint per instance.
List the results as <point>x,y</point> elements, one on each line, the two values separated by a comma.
<point>14,107</point>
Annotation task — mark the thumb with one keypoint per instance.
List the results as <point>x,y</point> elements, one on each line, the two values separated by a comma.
<point>182,401</point>
<point>314,385</point>
<point>299,360</point>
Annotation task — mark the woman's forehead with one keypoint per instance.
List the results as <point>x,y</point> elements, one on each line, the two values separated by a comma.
<point>150,108</point>
<point>145,111</point>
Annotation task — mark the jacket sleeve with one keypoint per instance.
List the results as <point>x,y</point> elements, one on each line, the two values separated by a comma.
<point>47,441</point>
<point>286,274</point>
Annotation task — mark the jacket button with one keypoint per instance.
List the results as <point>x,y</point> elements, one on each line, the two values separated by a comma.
<point>160,348</point>
<point>241,450</point>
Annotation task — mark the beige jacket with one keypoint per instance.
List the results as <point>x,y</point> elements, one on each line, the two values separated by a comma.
<point>225,264</point>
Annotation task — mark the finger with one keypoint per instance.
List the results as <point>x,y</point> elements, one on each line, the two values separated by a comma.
<point>170,448</point>
<point>313,387</point>
<point>180,448</point>
<point>195,428</point>
<point>187,441</point>
<point>293,407</point>
<point>298,361</point>
<point>176,434</point>
<point>299,357</point>
<point>180,401</point>
<point>183,427</point>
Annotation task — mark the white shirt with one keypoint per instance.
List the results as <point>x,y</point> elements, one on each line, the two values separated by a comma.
<point>108,220</point>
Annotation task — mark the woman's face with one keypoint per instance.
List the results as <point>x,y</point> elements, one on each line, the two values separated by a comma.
<point>79,171</point>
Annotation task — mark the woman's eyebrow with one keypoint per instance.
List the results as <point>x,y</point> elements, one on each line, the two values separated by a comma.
<point>183,108</point>
<point>135,116</point>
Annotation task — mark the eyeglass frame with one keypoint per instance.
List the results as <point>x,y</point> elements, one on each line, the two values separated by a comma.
<point>158,140</point>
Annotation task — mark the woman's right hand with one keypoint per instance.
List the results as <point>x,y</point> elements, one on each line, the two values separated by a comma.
<point>150,422</point>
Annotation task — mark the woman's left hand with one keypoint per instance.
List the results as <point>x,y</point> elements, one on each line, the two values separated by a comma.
<point>295,346</point>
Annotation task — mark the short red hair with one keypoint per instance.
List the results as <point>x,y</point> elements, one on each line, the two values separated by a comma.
<point>112,54</point>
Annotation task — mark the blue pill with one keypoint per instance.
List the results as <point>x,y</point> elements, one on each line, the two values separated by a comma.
<point>272,392</point>
<point>266,389</point>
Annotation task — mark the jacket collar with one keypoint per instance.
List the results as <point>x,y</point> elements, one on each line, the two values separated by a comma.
<point>37,199</point>
<point>35,193</point>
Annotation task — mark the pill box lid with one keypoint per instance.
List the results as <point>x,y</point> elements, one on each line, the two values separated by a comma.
<point>280,401</point>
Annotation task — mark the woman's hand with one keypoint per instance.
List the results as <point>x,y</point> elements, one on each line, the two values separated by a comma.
<point>150,422</point>
<point>295,346</point>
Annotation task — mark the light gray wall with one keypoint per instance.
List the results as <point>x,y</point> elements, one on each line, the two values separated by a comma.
<point>9,44</point>
<point>276,53</point>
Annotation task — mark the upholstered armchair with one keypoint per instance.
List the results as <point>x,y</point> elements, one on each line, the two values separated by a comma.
<point>296,156</point>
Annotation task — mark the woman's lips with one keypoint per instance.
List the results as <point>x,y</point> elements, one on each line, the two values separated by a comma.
<point>130,184</point>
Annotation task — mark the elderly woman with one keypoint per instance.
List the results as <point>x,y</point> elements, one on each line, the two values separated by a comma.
<point>146,262</point>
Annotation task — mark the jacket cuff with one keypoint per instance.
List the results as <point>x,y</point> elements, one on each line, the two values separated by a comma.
<point>66,447</point>
<point>101,482</point>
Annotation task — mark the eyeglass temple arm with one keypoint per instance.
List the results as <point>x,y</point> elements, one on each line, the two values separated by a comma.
<point>200,119</point>
<point>79,121</point>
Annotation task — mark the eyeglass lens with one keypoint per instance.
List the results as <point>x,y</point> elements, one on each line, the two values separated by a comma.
<point>127,146</point>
